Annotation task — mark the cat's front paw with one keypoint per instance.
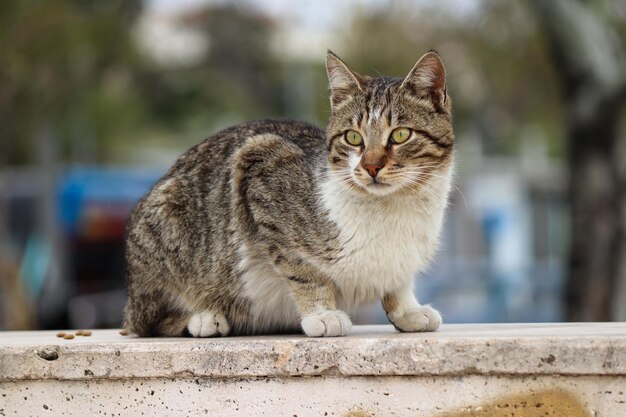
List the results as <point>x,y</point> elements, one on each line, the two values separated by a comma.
<point>420,319</point>
<point>208,324</point>
<point>326,323</point>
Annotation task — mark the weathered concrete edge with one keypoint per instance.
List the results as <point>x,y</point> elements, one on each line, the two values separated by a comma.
<point>316,357</point>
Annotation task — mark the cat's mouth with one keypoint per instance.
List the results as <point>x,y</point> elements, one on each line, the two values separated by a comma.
<point>378,184</point>
<point>376,187</point>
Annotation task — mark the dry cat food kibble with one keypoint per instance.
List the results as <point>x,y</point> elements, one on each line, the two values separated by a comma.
<point>60,334</point>
<point>68,336</point>
<point>124,332</point>
<point>83,333</point>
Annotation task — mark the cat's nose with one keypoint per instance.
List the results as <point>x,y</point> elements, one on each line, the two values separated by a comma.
<point>373,168</point>
<point>373,161</point>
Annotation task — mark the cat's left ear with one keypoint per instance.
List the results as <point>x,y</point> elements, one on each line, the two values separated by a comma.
<point>343,81</point>
<point>428,79</point>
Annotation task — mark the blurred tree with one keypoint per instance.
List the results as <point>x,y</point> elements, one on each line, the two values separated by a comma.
<point>64,66</point>
<point>589,57</point>
<point>238,78</point>
<point>489,65</point>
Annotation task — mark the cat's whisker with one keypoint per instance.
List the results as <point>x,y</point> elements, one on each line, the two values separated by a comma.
<point>420,187</point>
<point>346,181</point>
<point>417,185</point>
<point>452,183</point>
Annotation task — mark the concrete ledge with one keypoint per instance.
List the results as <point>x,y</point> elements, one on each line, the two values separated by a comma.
<point>455,350</point>
<point>521,370</point>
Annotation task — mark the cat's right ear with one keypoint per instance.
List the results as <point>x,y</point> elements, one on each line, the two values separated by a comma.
<point>343,81</point>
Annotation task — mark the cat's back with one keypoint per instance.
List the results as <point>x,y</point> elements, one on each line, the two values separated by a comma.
<point>200,180</point>
<point>215,153</point>
<point>204,171</point>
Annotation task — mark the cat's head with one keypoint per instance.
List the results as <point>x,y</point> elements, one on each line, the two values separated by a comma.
<point>389,134</point>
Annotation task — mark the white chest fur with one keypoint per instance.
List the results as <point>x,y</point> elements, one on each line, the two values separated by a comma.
<point>385,240</point>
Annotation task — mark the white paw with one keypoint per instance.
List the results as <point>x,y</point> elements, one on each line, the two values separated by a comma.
<point>207,324</point>
<point>326,323</point>
<point>420,319</point>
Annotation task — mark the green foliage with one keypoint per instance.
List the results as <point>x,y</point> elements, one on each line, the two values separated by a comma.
<point>499,76</point>
<point>57,56</point>
<point>74,68</point>
<point>239,76</point>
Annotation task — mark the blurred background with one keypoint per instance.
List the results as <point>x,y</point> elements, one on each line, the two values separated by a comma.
<point>98,98</point>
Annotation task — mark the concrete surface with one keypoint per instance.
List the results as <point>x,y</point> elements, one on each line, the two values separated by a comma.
<point>521,370</point>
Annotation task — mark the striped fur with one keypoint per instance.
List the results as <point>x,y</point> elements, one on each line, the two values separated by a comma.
<point>275,226</point>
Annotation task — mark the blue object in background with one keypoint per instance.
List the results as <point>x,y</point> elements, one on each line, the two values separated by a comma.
<point>81,187</point>
<point>35,263</point>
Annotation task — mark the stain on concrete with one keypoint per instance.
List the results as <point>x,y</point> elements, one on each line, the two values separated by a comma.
<point>538,404</point>
<point>357,413</point>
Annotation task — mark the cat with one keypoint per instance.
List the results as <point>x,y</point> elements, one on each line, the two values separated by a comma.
<point>277,226</point>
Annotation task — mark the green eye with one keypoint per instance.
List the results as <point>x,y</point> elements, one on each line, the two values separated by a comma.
<point>354,138</point>
<point>400,134</point>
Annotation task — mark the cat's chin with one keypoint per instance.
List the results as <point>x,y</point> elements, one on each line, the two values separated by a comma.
<point>379,188</point>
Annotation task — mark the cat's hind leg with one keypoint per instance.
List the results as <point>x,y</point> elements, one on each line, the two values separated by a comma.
<point>208,324</point>
<point>150,314</point>
<point>154,318</point>
<point>173,324</point>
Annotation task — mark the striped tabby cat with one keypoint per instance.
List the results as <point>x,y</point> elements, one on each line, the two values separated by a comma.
<point>277,226</point>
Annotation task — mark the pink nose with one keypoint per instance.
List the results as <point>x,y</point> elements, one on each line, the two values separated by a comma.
<point>373,161</point>
<point>373,168</point>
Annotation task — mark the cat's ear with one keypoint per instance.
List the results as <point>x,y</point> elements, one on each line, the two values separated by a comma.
<point>343,81</point>
<point>428,79</point>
